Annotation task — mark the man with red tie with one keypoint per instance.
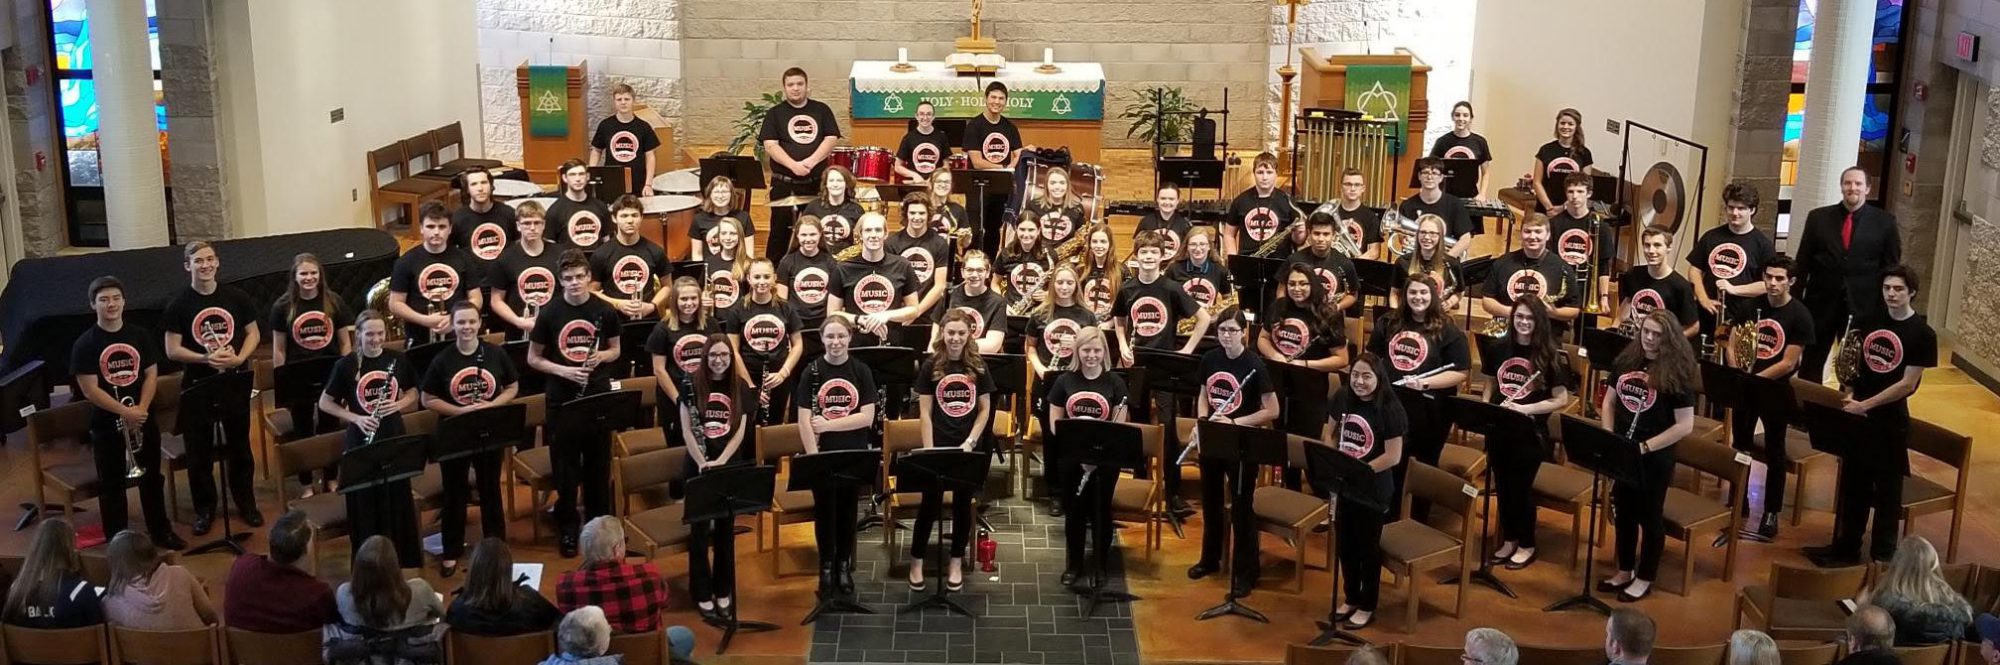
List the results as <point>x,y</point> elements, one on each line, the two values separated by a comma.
<point>1841,257</point>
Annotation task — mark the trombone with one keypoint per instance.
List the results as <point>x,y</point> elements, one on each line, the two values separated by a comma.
<point>1591,296</point>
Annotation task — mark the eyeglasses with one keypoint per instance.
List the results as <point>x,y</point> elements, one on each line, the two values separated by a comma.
<point>1230,330</point>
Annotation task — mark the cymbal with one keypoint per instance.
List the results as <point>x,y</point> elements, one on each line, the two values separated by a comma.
<point>1660,197</point>
<point>791,201</point>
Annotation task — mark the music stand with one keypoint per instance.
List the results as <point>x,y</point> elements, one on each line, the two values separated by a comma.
<point>690,268</point>
<point>1109,447</point>
<point>978,185</point>
<point>1246,447</point>
<point>208,400</point>
<point>475,432</point>
<point>1605,454</point>
<point>420,356</point>
<point>1833,430</point>
<point>1189,172</point>
<point>385,461</point>
<point>830,470</point>
<point>1255,275</point>
<point>743,171</point>
<point>632,346</point>
<point>1306,389</point>
<point>1501,427</point>
<point>1601,347</point>
<point>1723,385</point>
<point>1348,479</point>
<point>941,470</point>
<point>723,493</point>
<point>1009,372</point>
<point>895,370</point>
<point>607,183</point>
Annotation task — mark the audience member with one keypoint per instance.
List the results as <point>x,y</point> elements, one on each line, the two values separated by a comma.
<point>492,603</point>
<point>51,592</point>
<point>271,594</point>
<point>1871,638</point>
<point>1628,637</point>
<point>384,620</point>
<point>1367,655</point>
<point>147,593</point>
<point>1752,647</point>
<point>1989,638</point>
<point>1487,646</point>
<point>1924,606</point>
<point>584,634</point>
<point>630,595</point>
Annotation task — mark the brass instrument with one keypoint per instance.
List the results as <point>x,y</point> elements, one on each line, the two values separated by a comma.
<point>1341,241</point>
<point>1222,302</point>
<point>1399,233</point>
<point>1743,341</point>
<point>378,300</point>
<point>433,307</point>
<point>135,437</point>
<point>1847,355</point>
<point>1497,327</point>
<point>1590,294</point>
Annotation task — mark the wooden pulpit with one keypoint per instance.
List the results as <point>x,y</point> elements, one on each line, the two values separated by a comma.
<point>540,155</point>
<point>1324,85</point>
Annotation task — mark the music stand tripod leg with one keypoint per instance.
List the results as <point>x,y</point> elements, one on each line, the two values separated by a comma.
<point>942,596</point>
<point>1484,573</point>
<point>1097,594</point>
<point>1330,630</point>
<point>730,624</point>
<point>1584,597</point>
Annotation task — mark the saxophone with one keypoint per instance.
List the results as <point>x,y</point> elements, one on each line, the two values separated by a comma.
<point>1847,355</point>
<point>1496,327</point>
<point>1222,302</point>
<point>1071,250</point>
<point>1276,240</point>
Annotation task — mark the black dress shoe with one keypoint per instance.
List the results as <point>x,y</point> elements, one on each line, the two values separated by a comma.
<point>1055,510</point>
<point>203,523</point>
<point>1517,565</point>
<point>1608,586</point>
<point>1201,570</point>
<point>828,582</point>
<point>1180,508</point>
<point>168,540</point>
<point>252,517</point>
<point>847,577</point>
<point>567,544</point>
<point>1826,556</point>
<point>1068,578</point>
<point>1626,595</point>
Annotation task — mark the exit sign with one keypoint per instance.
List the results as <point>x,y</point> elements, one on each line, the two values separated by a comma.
<point>1968,47</point>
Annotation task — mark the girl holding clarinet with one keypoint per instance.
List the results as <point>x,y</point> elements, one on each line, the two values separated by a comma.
<point>955,405</point>
<point>369,391</point>
<point>836,402</point>
<point>714,418</point>
<point>1092,392</point>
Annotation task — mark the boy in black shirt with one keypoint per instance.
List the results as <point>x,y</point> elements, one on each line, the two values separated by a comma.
<point>1259,214</point>
<point>924,148</point>
<point>798,135</point>
<point>482,227</point>
<point>574,344</point>
<point>579,218</point>
<point>1360,223</point>
<point>116,366</point>
<point>1150,306</point>
<point>992,142</point>
<point>1335,270</point>
<point>1531,271</point>
<point>627,141</point>
<point>1431,200</point>
<point>524,278</point>
<point>212,328</point>
<point>927,253</point>
<point>881,287</point>
<point>1236,389</point>
<point>1728,260</point>
<point>437,274</point>
<point>469,377</point>
<point>1655,285</point>
<point>1582,238</point>
<point>628,269</point>
<point>1784,329</point>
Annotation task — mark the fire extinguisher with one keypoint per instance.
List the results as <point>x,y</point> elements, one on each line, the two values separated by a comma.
<point>988,551</point>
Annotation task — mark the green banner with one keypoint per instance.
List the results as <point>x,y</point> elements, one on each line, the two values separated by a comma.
<point>1381,92</point>
<point>1021,104</point>
<point>548,101</point>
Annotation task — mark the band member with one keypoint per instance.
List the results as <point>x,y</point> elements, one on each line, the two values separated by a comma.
<point>1333,270</point>
<point>1059,214</point>
<point>1583,239</point>
<point>1845,248</point>
<point>836,209</point>
<point>1099,272</point>
<point>1053,325</point>
<point>116,365</point>
<point>1168,220</point>
<point>1426,355</point>
<point>1258,216</point>
<point>1431,199</point>
<point>1531,271</point>
<point>1301,327</point>
<point>1360,223</point>
<point>1655,285</point>
<point>947,216</point>
<point>955,403</point>
<point>881,286</point>
<point>579,217</point>
<point>676,346</point>
<point>1727,262</point>
<point>924,148</point>
<point>714,422</point>
<point>469,377</point>
<point>1091,392</point>
<point>809,277</point>
<point>1236,389</point>
<point>1651,403</point>
<point>430,277</point>
<point>798,135</point>
<point>835,407</point>
<point>627,270</point>
<point>1462,143</point>
<point>369,390</point>
<point>1024,265</point>
<point>1555,159</point>
<point>724,267</point>
<point>768,336</point>
<point>575,344</point>
<point>992,142</point>
<point>1151,305</point>
<point>1896,346</point>
<point>985,308</point>
<point>523,280</point>
<point>307,323</point>
<point>1200,271</point>
<point>482,227</point>
<point>928,254</point>
<point>212,328</point>
<point>1528,374</point>
<point>1366,423</point>
<point>718,203</point>
<point>1784,328</point>
<point>622,139</point>
<point>1429,258</point>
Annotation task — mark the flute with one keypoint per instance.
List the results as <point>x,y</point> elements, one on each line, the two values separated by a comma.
<point>1194,440</point>
<point>1413,378</point>
<point>1524,386</point>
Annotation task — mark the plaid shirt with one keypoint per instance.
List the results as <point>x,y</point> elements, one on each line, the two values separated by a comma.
<point>632,596</point>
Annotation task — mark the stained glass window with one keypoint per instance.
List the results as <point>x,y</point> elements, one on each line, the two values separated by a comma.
<point>77,92</point>
<point>1878,105</point>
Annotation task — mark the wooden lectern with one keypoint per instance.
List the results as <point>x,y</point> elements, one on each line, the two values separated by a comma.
<point>1325,86</point>
<point>540,155</point>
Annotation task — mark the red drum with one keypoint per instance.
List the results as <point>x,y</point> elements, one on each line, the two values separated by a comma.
<point>873,164</point>
<point>842,157</point>
<point>959,163</point>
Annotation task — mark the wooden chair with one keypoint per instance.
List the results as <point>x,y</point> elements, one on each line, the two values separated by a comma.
<point>1799,603</point>
<point>75,480</point>
<point>1417,654</point>
<point>901,436</point>
<point>1410,547</point>
<point>524,649</point>
<point>1291,514</point>
<point>326,512</point>
<point>1967,654</point>
<point>451,138</point>
<point>1807,652</point>
<point>775,444</point>
<point>657,524</point>
<point>67,646</point>
<point>1689,516</point>
<point>1144,501</point>
<point>254,648</point>
<point>1922,496</point>
<point>1561,655</point>
<point>398,188</point>
<point>646,647</point>
<point>166,647</point>
<point>1466,462</point>
<point>1932,654</point>
<point>1710,654</point>
<point>639,441</point>
<point>1300,654</point>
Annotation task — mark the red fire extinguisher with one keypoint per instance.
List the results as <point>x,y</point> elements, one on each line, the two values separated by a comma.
<point>988,551</point>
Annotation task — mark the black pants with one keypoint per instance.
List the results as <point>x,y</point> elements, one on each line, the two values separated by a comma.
<point>711,555</point>
<point>1641,529</point>
<point>457,492</point>
<point>1873,484</point>
<point>1237,521</point>
<point>1829,322</point>
<point>1423,443</point>
<point>1357,531</point>
<point>992,218</point>
<point>1088,506</point>
<point>1514,483</point>
<point>834,519</point>
<point>1743,430</point>
<point>108,453</point>
<point>1160,409</point>
<point>582,459</point>
<point>927,515</point>
<point>201,455</point>
<point>385,510</point>
<point>1055,472</point>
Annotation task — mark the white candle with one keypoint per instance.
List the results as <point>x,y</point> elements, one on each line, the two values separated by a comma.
<point>902,55</point>
<point>1048,56</point>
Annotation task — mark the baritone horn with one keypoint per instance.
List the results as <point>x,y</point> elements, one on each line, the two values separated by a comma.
<point>1399,233</point>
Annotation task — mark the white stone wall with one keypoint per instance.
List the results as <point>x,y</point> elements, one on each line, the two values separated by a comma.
<point>1439,32</point>
<point>631,41</point>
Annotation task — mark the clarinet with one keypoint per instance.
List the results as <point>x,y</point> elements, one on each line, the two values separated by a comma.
<point>764,394</point>
<point>391,371</point>
<point>1092,469</point>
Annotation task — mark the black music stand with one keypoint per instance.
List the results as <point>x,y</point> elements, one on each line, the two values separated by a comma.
<point>910,335</point>
<point>1833,430</point>
<point>1110,447</point>
<point>689,268</point>
<point>743,171</point>
<point>485,430</point>
<point>532,382</point>
<point>209,398</point>
<point>1605,454</point>
<point>941,470</point>
<point>1009,372</point>
<point>596,416</point>
<point>1723,385</point>
<point>834,469</point>
<point>977,185</point>
<point>723,493</point>
<point>895,370</point>
<point>607,183</point>
<point>1601,347</point>
<point>1172,374</point>
<point>1190,173</point>
<point>1500,427</point>
<point>421,355</point>
<point>1306,389</point>
<point>1349,479</point>
<point>299,384</point>
<point>1244,446</point>
<point>1255,275</point>
<point>385,461</point>
<point>632,346</point>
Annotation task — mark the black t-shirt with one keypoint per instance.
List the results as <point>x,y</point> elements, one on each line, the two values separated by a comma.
<point>1234,387</point>
<point>836,222</point>
<point>924,256</point>
<point>626,143</point>
<point>526,280</point>
<point>484,235</point>
<point>834,391</point>
<point>1887,347</point>
<point>1088,399</point>
<point>1096,292</point>
<point>581,224</point>
<point>954,402</point>
<point>1557,163</point>
<point>1300,334</point>
<point>430,283</point>
<point>1060,325</point>
<point>684,347</point>
<point>996,141</point>
<point>371,383</point>
<point>1255,219</point>
<point>1739,259</point>
<point>874,287</point>
<point>1472,147</point>
<point>799,131</point>
<point>1411,352</point>
<point>923,153</point>
<point>987,309</point>
<point>1172,231</point>
<point>465,378</point>
<point>1633,393</point>
<point>719,414</point>
<point>947,216</point>
<point>1570,238</point>
<point>570,335</point>
<point>1058,223</point>
<point>1515,275</point>
<point>1516,375</point>
<point>808,281</point>
<point>1405,265</point>
<point>205,322</point>
<point>766,330</point>
<point>1022,273</point>
<point>1336,272</point>
<point>1643,294</point>
<point>1154,311</point>
<point>1363,224</point>
<point>1457,222</point>
<point>1361,427</point>
<point>1779,327</point>
<point>704,225</point>
<point>312,329</point>
<point>1206,282</point>
<point>629,271</point>
<point>723,280</point>
<point>118,359</point>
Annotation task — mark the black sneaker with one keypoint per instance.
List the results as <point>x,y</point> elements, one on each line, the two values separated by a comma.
<point>1180,507</point>
<point>1201,570</point>
<point>567,543</point>
<point>169,540</point>
<point>1768,528</point>
<point>203,523</point>
<point>252,517</point>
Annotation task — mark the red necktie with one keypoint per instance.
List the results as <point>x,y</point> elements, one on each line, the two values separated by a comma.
<point>1847,232</point>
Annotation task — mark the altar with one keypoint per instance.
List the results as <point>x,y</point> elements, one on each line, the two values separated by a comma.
<point>1064,108</point>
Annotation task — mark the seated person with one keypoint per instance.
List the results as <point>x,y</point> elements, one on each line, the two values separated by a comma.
<point>271,594</point>
<point>1925,607</point>
<point>632,595</point>
<point>50,592</point>
<point>492,604</point>
<point>146,593</point>
<point>379,603</point>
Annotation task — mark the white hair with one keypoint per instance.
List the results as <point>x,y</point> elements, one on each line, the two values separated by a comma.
<point>584,632</point>
<point>1491,647</point>
<point>603,540</point>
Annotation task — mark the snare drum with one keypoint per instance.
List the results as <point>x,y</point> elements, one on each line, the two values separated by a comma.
<point>873,164</point>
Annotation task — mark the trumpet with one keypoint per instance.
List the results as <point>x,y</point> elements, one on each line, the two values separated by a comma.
<point>135,438</point>
<point>1399,234</point>
<point>1847,355</point>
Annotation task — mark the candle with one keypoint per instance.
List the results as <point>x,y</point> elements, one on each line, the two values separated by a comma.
<point>902,55</point>
<point>1048,56</point>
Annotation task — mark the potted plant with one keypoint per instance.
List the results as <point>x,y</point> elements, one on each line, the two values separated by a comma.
<point>1163,108</point>
<point>753,120</point>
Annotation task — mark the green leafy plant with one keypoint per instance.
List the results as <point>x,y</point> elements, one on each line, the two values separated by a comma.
<point>753,120</point>
<point>1165,104</point>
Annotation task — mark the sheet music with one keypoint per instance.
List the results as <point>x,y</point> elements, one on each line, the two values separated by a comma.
<point>529,575</point>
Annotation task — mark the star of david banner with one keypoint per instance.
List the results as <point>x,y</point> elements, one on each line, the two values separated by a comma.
<point>1383,93</point>
<point>548,101</point>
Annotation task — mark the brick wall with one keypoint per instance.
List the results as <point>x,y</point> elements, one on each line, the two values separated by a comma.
<point>1761,96</point>
<point>631,41</point>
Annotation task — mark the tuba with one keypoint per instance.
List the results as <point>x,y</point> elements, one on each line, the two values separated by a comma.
<point>1847,355</point>
<point>378,300</point>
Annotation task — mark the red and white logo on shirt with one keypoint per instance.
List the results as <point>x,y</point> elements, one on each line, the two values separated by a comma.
<point>1289,335</point>
<point>1561,165</point>
<point>472,384</point>
<point>1511,379</point>
<point>1354,232</point>
<point>838,229</point>
<point>687,353</point>
<point>1883,351</point>
<point>1727,260</point>
<point>488,239</point>
<point>1149,316</point>
<point>1647,301</point>
<point>624,147</point>
<point>764,332</point>
<point>1087,406</point>
<point>1330,280</point>
<point>924,158</point>
<point>1056,226</point>
<point>536,285</point>
<point>1635,391</point>
<point>1574,246</point>
<point>873,294</point>
<point>376,389</point>
<point>1261,223</point>
<point>837,398</point>
<point>437,282</point>
<point>921,262</point>
<point>956,394</point>
<point>584,229</point>
<point>1199,288</point>
<point>996,148</point>
<point>1057,335</point>
<point>577,340</point>
<point>1026,277</point>
<point>717,415</point>
<point>1357,437</point>
<point>213,328</point>
<point>1097,295</point>
<point>1408,350</point>
<point>723,288</point>
<point>118,365</point>
<point>809,285</point>
<point>1527,282</point>
<point>804,130</point>
<point>1170,242</point>
<point>1459,152</point>
<point>631,274</point>
<point>312,330</point>
<point>978,321</point>
<point>1770,339</point>
<point>1224,392</point>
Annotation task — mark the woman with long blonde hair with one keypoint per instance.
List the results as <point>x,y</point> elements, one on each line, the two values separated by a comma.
<point>50,591</point>
<point>726,263</point>
<point>1100,271</point>
<point>1913,590</point>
